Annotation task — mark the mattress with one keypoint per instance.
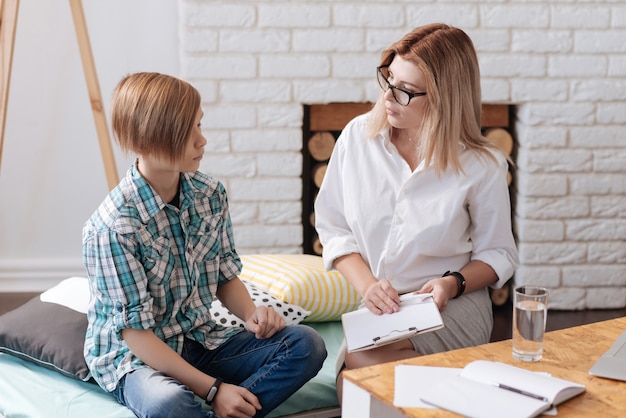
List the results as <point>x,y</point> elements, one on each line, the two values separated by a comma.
<point>29,390</point>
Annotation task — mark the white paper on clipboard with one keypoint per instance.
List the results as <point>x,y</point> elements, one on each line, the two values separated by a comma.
<point>364,330</point>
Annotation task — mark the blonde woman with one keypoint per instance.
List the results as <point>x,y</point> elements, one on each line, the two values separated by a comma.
<point>415,199</point>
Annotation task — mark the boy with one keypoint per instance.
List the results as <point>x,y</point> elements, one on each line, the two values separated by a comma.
<point>158,251</point>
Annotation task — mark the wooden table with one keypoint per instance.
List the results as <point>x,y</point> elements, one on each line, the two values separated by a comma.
<point>568,354</point>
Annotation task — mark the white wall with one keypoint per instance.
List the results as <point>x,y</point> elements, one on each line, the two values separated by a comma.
<point>51,175</point>
<point>562,62</point>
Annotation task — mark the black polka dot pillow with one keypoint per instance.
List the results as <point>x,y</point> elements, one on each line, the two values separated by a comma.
<point>293,314</point>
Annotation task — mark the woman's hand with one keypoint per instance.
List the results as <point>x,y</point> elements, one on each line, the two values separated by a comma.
<point>381,298</point>
<point>264,322</point>
<point>442,288</point>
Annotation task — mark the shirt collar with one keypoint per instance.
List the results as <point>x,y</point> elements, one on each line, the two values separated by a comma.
<point>386,138</point>
<point>147,201</point>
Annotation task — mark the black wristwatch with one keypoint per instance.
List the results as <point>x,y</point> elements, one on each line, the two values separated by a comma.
<point>213,391</point>
<point>461,280</point>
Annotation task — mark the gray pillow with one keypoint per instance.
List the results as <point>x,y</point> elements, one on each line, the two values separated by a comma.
<point>48,334</point>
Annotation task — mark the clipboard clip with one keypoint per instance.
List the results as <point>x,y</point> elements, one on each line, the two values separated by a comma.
<point>394,335</point>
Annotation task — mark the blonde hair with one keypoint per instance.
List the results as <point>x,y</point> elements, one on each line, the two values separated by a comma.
<point>153,114</point>
<point>447,58</point>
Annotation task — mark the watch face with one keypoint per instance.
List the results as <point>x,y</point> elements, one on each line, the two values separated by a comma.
<point>213,390</point>
<point>212,393</point>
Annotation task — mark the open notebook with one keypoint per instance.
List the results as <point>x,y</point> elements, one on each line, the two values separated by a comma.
<point>489,389</point>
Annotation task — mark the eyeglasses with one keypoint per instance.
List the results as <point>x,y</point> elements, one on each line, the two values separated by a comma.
<point>401,96</point>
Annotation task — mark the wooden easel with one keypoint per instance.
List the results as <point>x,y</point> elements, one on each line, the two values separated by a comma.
<point>8,24</point>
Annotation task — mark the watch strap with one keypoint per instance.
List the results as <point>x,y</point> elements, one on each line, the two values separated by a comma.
<point>460,278</point>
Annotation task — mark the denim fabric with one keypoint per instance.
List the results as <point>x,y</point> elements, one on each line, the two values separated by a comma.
<point>273,369</point>
<point>149,393</point>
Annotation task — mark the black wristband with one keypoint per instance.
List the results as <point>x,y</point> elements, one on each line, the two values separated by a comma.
<point>213,391</point>
<point>461,280</point>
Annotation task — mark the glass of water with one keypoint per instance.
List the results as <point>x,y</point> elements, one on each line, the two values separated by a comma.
<point>530,309</point>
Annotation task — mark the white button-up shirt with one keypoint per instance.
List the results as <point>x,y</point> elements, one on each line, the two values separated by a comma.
<point>410,227</point>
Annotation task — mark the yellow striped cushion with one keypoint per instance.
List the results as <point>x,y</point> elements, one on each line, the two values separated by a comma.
<point>301,279</point>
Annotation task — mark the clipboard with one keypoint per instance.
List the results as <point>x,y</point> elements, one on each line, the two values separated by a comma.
<point>364,330</point>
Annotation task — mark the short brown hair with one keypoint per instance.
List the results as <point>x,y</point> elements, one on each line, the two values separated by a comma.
<point>153,114</point>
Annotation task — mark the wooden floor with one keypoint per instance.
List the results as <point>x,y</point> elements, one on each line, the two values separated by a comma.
<point>10,301</point>
<point>502,317</point>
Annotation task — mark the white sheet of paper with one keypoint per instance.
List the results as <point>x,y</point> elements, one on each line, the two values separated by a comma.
<point>411,381</point>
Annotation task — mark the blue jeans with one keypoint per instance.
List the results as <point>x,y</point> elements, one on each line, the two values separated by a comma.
<point>273,369</point>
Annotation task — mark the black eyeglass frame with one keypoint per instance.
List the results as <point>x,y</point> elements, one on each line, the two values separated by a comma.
<point>393,88</point>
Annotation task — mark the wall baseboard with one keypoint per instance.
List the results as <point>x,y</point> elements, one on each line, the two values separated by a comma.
<point>37,275</point>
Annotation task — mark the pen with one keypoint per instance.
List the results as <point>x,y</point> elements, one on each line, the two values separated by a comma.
<point>522,392</point>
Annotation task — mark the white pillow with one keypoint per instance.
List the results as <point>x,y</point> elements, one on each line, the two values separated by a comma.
<point>292,314</point>
<point>72,293</point>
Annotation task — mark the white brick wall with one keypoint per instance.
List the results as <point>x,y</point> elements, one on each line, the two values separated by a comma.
<point>562,64</point>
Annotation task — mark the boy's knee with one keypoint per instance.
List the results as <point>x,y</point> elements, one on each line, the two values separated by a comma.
<point>310,341</point>
<point>149,393</point>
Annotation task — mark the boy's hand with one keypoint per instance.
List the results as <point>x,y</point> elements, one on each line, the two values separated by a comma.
<point>264,322</point>
<point>233,401</point>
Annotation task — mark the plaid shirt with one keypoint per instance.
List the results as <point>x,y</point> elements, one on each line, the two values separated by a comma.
<point>151,265</point>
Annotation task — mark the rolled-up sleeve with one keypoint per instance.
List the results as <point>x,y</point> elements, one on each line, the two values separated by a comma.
<point>490,210</point>
<point>118,282</point>
<point>330,221</point>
